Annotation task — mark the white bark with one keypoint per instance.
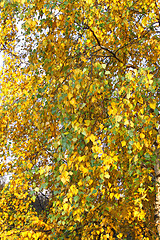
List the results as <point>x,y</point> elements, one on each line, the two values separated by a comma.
<point>157,203</point>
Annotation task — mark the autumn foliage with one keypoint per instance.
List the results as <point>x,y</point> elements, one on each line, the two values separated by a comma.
<point>79,119</point>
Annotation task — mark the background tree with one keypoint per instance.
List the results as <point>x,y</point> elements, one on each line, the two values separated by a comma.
<point>80,119</point>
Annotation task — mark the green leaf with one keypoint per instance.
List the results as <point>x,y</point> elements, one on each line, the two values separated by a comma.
<point>94,191</point>
<point>76,198</point>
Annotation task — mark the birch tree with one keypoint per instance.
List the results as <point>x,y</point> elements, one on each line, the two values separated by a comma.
<point>79,119</point>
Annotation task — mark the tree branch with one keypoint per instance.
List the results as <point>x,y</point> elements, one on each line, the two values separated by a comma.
<point>99,44</point>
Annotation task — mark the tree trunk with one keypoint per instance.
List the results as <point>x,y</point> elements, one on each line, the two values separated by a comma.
<point>157,203</point>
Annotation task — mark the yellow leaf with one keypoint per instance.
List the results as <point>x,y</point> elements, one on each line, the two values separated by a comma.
<point>89,1</point>
<point>80,183</point>
<point>30,234</point>
<point>65,206</point>
<point>145,21</point>
<point>62,168</point>
<point>36,189</point>
<point>81,158</point>
<point>23,234</point>
<point>136,213</point>
<point>131,124</point>
<point>83,169</point>
<point>142,111</point>
<point>117,196</point>
<point>107,73</point>
<point>109,110</point>
<point>92,138</point>
<point>150,76</point>
<point>120,235</point>
<point>93,99</point>
<point>87,122</point>
<point>65,200</point>
<point>123,143</point>
<point>73,189</point>
<point>2,4</point>
<point>65,177</point>
<point>42,170</point>
<point>111,195</point>
<point>128,95</point>
<point>106,175</point>
<point>70,95</point>
<point>73,101</point>
<point>138,146</point>
<point>118,118</point>
<point>106,237</point>
<point>152,105</point>
<point>142,135</point>
<point>65,87</point>
<point>126,122</point>
<point>61,80</point>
